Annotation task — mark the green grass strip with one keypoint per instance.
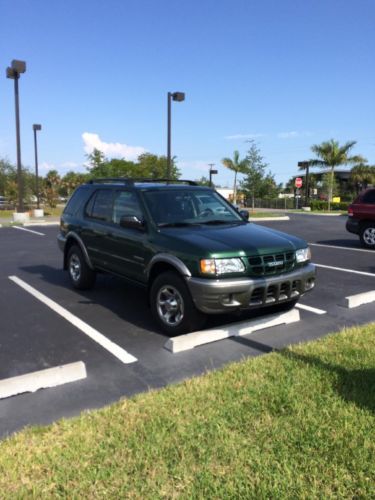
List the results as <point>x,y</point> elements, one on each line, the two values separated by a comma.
<point>292,424</point>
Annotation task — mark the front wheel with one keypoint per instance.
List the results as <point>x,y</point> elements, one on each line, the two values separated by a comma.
<point>367,235</point>
<point>81,276</point>
<point>172,305</point>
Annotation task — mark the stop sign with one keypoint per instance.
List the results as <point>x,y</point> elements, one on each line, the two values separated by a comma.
<point>298,182</point>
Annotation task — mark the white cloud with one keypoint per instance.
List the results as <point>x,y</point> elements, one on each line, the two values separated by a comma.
<point>46,167</point>
<point>110,149</point>
<point>243,136</point>
<point>293,134</point>
<point>70,164</point>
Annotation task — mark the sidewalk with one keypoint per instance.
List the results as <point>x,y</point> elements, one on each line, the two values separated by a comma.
<point>42,221</point>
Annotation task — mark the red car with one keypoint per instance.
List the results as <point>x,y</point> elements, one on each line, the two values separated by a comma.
<point>361,218</point>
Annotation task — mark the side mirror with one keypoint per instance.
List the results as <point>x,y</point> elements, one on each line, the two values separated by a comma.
<point>132,222</point>
<point>244,214</point>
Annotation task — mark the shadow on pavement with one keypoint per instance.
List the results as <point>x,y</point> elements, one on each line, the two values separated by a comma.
<point>347,243</point>
<point>356,386</point>
<point>128,302</point>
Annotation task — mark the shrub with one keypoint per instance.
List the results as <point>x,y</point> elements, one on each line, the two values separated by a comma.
<point>321,205</point>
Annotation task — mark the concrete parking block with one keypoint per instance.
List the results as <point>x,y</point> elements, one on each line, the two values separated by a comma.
<point>50,377</point>
<point>194,339</point>
<point>359,299</point>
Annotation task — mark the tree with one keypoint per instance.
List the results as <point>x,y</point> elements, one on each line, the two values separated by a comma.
<point>257,183</point>
<point>7,171</point>
<point>238,167</point>
<point>51,184</point>
<point>330,154</point>
<point>95,158</point>
<point>203,181</point>
<point>154,167</point>
<point>70,181</point>
<point>361,176</point>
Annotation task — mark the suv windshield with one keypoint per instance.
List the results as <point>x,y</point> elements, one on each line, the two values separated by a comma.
<point>190,206</point>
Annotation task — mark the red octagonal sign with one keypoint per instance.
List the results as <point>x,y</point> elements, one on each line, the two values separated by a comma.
<point>298,182</point>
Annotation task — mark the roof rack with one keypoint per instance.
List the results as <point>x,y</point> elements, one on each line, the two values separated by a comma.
<point>130,181</point>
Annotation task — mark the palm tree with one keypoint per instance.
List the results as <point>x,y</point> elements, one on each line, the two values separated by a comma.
<point>238,167</point>
<point>331,154</point>
<point>362,175</point>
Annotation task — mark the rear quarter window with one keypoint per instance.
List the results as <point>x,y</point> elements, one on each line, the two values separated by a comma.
<point>369,197</point>
<point>75,201</point>
<point>100,205</point>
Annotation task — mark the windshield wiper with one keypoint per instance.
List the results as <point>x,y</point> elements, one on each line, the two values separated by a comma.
<point>176,224</point>
<point>221,221</point>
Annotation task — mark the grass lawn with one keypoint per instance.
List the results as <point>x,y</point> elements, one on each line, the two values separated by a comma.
<point>259,215</point>
<point>56,212</point>
<point>298,423</point>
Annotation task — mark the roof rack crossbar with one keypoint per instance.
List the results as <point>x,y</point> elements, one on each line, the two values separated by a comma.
<point>131,181</point>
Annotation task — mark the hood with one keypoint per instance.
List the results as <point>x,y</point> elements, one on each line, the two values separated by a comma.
<point>243,239</point>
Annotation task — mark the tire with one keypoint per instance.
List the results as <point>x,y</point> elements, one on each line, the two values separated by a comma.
<point>81,276</point>
<point>367,235</point>
<point>172,305</point>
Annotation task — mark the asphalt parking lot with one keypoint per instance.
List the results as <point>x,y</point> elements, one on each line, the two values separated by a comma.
<point>45,323</point>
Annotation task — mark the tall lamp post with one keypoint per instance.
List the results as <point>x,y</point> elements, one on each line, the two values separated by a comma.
<point>179,97</point>
<point>36,127</point>
<point>13,72</point>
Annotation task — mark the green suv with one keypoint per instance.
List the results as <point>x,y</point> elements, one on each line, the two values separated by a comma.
<point>191,249</point>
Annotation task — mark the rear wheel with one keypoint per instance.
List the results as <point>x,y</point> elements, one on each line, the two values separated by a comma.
<point>81,276</point>
<point>367,235</point>
<point>172,305</point>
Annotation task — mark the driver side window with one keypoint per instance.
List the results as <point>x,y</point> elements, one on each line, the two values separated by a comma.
<point>126,204</point>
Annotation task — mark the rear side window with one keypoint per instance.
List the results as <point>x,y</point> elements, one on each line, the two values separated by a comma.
<point>74,202</point>
<point>100,205</point>
<point>369,197</point>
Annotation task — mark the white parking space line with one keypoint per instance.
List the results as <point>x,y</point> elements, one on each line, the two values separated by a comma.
<point>345,270</point>
<point>314,310</point>
<point>341,248</point>
<point>28,230</point>
<point>100,339</point>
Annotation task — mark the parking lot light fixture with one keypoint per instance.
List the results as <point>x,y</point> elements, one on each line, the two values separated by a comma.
<point>212,172</point>
<point>13,72</point>
<point>179,97</point>
<point>36,127</point>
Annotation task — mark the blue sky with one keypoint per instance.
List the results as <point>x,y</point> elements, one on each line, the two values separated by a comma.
<point>287,73</point>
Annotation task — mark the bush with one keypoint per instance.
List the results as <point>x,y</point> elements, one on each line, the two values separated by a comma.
<point>323,205</point>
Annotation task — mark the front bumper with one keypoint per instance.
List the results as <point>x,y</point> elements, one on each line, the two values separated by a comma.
<point>61,240</point>
<point>224,295</point>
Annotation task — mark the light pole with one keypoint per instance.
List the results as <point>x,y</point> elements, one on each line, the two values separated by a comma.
<point>211,172</point>
<point>36,127</point>
<point>13,72</point>
<point>172,96</point>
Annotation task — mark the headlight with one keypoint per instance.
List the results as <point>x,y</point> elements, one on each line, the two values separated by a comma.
<point>303,254</point>
<point>221,266</point>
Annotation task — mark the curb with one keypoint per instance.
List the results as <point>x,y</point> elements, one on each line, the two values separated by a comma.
<point>359,299</point>
<point>42,379</point>
<point>195,339</point>
<point>260,219</point>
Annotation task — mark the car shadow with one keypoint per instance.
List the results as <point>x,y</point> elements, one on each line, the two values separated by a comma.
<point>128,302</point>
<point>347,243</point>
<point>355,386</point>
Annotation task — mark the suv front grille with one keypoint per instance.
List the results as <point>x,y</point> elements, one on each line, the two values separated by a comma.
<point>267,265</point>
